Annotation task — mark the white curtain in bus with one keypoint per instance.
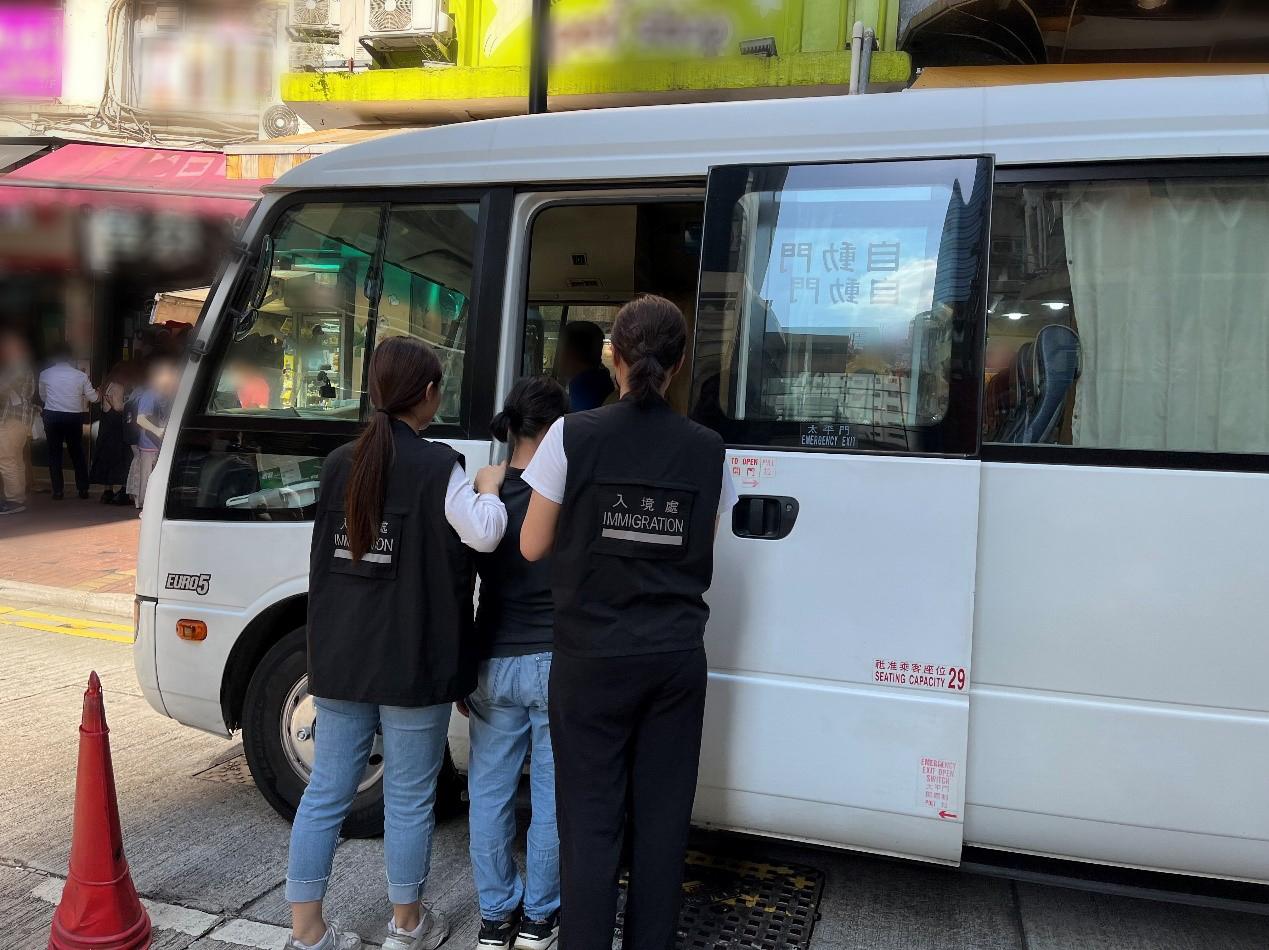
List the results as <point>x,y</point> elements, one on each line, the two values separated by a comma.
<point>1171,298</point>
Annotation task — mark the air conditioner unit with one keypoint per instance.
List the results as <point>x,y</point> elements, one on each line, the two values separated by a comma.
<point>400,17</point>
<point>316,15</point>
<point>169,18</point>
<point>280,120</point>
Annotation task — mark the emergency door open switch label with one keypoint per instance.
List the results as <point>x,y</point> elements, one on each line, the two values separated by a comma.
<point>937,787</point>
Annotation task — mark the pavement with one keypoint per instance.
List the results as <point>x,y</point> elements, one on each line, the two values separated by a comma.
<point>209,856</point>
<point>73,553</point>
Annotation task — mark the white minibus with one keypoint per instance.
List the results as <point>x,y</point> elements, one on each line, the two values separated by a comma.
<point>992,367</point>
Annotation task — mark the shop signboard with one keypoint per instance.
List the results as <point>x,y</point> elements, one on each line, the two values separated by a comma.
<point>606,31</point>
<point>31,42</point>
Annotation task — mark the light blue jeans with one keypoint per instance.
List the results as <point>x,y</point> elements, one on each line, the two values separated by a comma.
<point>508,717</point>
<point>413,752</point>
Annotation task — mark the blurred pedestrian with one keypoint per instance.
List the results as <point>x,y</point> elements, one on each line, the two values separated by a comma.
<point>17,411</point>
<point>153,406</point>
<point>112,455</point>
<point>66,392</point>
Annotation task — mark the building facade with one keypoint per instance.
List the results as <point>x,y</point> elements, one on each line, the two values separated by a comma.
<point>412,62</point>
<point>113,119</point>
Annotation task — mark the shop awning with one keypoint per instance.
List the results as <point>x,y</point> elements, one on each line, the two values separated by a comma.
<point>179,306</point>
<point>78,174</point>
<point>269,159</point>
<point>12,153</point>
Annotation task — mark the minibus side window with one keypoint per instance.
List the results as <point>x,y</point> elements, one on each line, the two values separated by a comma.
<point>840,305</point>
<point>290,383</point>
<point>427,287</point>
<point>1129,314</point>
<point>300,353</point>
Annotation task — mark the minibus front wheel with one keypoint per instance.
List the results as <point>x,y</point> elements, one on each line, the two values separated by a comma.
<point>278,722</point>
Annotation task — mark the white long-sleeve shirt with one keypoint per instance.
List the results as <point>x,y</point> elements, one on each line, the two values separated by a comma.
<point>480,520</point>
<point>63,388</point>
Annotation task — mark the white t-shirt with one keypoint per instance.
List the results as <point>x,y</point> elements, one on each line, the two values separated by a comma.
<point>548,471</point>
<point>63,388</point>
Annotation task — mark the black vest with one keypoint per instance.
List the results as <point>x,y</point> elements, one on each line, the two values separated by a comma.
<point>516,614</point>
<point>394,628</point>
<point>634,547</point>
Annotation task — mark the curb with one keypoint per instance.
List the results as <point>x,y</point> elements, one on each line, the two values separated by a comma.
<point>116,605</point>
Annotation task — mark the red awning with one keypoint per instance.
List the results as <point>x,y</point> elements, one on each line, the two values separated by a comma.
<point>130,177</point>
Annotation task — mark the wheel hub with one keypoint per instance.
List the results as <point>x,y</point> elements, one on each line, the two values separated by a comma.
<point>299,733</point>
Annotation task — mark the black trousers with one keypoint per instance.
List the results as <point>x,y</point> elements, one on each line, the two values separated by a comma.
<point>65,428</point>
<point>627,738</point>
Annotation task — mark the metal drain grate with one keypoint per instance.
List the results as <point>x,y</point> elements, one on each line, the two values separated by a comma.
<point>232,771</point>
<point>733,904</point>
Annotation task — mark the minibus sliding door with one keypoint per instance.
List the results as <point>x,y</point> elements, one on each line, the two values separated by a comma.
<point>839,352</point>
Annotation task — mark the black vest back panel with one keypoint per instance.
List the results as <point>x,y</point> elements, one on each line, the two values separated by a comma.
<point>395,627</point>
<point>634,548</point>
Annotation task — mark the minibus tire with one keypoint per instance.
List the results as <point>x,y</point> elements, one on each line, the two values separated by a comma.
<point>281,668</point>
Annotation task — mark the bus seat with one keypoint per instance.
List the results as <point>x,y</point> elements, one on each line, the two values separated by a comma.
<point>998,404</point>
<point>1055,367</point>
<point>1023,389</point>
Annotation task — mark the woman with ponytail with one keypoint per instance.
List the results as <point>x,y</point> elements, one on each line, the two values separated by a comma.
<point>390,639</point>
<point>508,709</point>
<point>626,500</point>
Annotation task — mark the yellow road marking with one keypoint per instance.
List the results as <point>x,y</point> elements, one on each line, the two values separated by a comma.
<point>68,626</point>
<point>66,621</point>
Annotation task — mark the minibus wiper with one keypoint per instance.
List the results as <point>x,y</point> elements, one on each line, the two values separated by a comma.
<point>260,275</point>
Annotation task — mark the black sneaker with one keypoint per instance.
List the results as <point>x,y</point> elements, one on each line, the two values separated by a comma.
<point>11,508</point>
<point>496,934</point>
<point>84,494</point>
<point>538,934</point>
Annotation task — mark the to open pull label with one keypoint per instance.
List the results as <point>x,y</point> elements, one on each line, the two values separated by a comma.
<point>643,520</point>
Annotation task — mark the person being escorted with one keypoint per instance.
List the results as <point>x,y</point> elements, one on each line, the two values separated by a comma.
<point>508,710</point>
<point>17,412</point>
<point>66,393</point>
<point>391,640</point>
<point>626,500</point>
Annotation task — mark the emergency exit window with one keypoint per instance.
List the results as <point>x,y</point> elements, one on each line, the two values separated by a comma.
<point>840,305</point>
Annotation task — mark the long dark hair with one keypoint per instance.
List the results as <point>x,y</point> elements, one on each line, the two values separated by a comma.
<point>533,404</point>
<point>401,369</point>
<point>650,336</point>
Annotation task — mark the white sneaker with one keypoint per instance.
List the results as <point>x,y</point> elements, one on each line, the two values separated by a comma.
<point>333,939</point>
<point>538,934</point>
<point>431,932</point>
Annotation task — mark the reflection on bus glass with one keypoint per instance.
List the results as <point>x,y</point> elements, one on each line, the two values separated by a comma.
<point>839,303</point>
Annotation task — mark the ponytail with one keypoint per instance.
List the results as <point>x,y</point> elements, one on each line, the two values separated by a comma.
<point>401,370</point>
<point>650,336</point>
<point>532,406</point>
<point>367,483</point>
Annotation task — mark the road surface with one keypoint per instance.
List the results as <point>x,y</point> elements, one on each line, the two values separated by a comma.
<point>210,856</point>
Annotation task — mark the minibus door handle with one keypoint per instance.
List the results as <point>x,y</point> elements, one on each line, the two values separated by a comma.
<point>764,517</point>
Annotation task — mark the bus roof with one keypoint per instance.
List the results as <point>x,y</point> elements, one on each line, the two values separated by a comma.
<point>1063,122</point>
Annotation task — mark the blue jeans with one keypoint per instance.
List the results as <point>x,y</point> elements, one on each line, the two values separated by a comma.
<point>508,716</point>
<point>413,752</point>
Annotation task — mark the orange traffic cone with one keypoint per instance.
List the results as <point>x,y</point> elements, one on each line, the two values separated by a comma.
<point>99,909</point>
